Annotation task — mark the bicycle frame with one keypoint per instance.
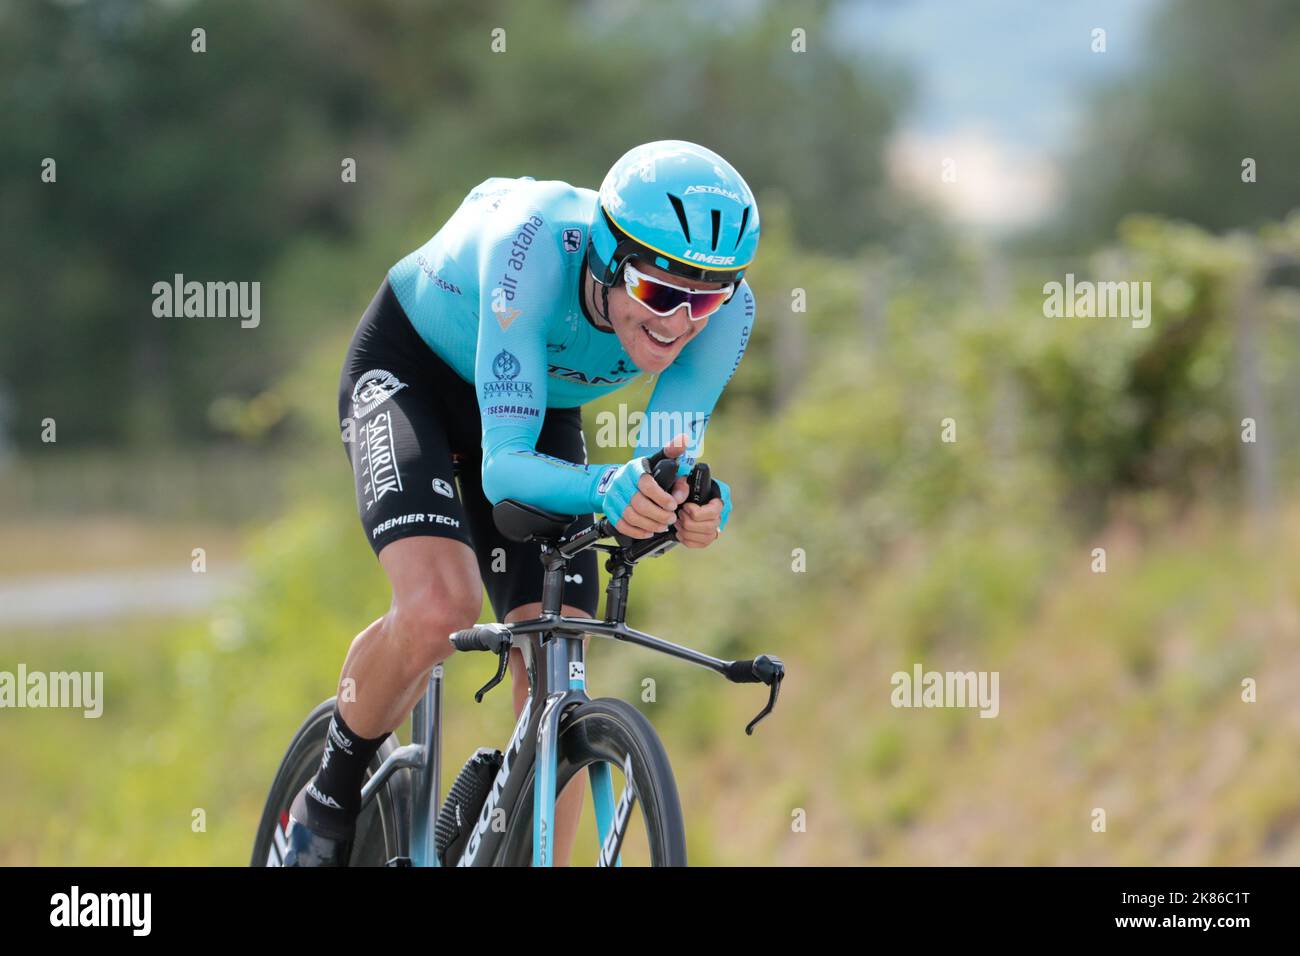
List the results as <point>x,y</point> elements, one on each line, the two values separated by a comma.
<point>560,684</point>
<point>553,652</point>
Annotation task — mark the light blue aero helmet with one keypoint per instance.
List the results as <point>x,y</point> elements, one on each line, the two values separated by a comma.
<point>679,206</point>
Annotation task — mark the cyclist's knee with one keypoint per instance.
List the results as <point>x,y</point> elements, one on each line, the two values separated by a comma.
<point>421,622</point>
<point>436,590</point>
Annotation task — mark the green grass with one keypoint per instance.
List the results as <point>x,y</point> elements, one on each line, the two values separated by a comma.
<point>1119,691</point>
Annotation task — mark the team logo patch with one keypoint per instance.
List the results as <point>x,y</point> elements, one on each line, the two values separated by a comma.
<point>506,369</point>
<point>372,390</point>
<point>715,190</point>
<point>606,480</point>
<point>572,240</point>
<point>505,366</point>
<point>379,460</point>
<point>505,317</point>
<point>322,798</point>
<point>442,487</point>
<point>694,256</point>
<point>582,378</point>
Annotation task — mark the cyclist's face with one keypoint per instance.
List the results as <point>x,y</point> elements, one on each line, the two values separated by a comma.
<point>634,323</point>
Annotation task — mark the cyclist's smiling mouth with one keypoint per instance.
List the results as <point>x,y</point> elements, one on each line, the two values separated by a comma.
<point>652,341</point>
<point>661,340</point>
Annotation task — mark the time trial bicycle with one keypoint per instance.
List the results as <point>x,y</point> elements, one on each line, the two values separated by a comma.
<point>500,811</point>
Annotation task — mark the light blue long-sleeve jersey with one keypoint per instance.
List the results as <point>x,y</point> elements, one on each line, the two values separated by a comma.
<point>495,294</point>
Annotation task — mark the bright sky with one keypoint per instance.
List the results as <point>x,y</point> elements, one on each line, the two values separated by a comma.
<point>1001,86</point>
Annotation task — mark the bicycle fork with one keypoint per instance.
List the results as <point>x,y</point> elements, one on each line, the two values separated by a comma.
<point>567,669</point>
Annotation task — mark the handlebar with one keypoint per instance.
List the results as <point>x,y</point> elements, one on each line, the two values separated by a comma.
<point>482,637</point>
<point>497,638</point>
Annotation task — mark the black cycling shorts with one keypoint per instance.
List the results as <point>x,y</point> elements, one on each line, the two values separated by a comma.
<point>404,414</point>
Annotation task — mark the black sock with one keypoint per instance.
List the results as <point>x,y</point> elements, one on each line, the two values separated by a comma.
<point>332,800</point>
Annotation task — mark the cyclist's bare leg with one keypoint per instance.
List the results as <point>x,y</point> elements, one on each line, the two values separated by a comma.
<point>436,590</point>
<point>568,806</point>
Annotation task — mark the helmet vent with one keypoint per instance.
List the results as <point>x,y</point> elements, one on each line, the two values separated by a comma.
<point>681,214</point>
<point>744,218</point>
<point>717,221</point>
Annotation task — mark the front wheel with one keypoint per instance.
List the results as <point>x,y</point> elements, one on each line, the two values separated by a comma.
<point>614,733</point>
<point>381,828</point>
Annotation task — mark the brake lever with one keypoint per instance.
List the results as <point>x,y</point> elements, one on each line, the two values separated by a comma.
<point>503,661</point>
<point>770,671</point>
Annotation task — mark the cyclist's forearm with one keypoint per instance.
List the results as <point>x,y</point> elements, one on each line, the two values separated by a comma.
<point>541,480</point>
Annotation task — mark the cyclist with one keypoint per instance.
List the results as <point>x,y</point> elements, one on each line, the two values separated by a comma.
<point>481,345</point>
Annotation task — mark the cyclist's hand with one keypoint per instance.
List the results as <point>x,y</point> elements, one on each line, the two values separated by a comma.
<point>698,526</point>
<point>638,507</point>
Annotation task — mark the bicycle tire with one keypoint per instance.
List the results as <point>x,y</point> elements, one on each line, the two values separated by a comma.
<point>608,730</point>
<point>382,828</point>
